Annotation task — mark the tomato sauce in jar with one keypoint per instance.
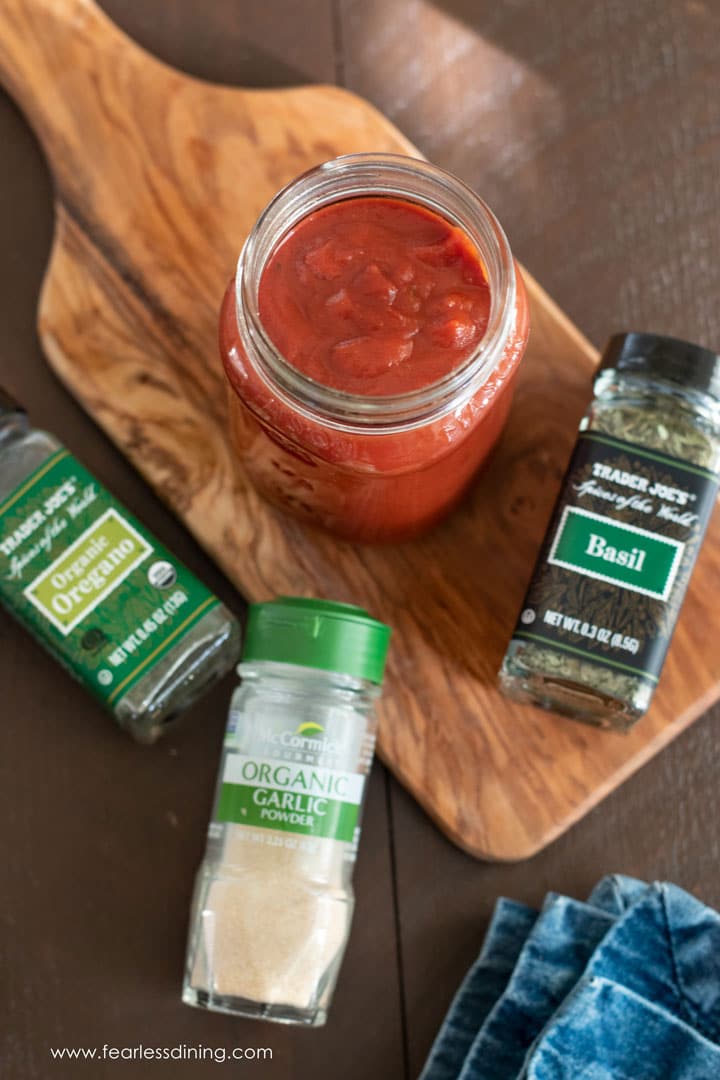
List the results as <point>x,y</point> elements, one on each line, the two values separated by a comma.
<point>371,338</point>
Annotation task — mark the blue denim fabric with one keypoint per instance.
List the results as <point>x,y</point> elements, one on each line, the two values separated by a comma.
<point>626,987</point>
<point>616,893</point>
<point>553,959</point>
<point>484,983</point>
<point>608,1033</point>
<point>666,949</point>
<point>648,1004</point>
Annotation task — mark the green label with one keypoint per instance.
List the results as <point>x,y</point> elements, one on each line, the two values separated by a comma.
<point>273,793</point>
<point>272,808</point>
<point>611,551</point>
<point>616,561</point>
<point>91,568</point>
<point>89,581</point>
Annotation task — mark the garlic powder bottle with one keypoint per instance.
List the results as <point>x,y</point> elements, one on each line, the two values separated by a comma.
<point>274,900</point>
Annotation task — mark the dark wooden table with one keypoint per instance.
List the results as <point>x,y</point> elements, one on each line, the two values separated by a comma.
<point>594,131</point>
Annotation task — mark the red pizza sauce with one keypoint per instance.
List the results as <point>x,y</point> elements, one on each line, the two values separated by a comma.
<point>372,297</point>
<point>375,296</point>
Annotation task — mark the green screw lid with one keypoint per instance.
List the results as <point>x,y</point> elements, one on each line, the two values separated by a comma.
<point>318,634</point>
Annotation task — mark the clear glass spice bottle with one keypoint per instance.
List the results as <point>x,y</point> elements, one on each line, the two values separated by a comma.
<point>274,900</point>
<point>616,561</point>
<point>125,617</point>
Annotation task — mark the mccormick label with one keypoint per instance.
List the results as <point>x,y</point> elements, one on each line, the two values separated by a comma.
<point>90,583</point>
<point>618,555</point>
<point>305,778</point>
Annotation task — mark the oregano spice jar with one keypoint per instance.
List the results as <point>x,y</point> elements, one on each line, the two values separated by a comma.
<point>103,596</point>
<point>616,561</point>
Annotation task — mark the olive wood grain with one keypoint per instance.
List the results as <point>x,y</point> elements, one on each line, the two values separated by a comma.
<point>158,179</point>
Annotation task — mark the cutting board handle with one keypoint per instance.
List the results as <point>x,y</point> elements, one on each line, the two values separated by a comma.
<point>50,54</point>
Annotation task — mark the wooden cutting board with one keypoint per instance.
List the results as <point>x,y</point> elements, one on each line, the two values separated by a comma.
<point>158,178</point>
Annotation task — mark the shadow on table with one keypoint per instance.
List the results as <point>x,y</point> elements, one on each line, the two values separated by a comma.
<point>218,48</point>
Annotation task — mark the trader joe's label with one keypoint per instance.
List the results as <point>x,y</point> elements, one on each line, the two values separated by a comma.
<point>98,590</point>
<point>617,558</point>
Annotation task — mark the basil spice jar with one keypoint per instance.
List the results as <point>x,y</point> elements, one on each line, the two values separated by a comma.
<point>273,899</point>
<point>616,561</point>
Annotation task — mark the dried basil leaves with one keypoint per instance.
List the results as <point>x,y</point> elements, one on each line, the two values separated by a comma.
<point>612,572</point>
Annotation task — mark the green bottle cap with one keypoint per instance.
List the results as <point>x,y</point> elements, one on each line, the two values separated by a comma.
<point>317,634</point>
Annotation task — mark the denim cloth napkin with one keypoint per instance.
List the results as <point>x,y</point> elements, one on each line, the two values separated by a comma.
<point>624,986</point>
<point>666,949</point>
<point>609,1033</point>
<point>482,986</point>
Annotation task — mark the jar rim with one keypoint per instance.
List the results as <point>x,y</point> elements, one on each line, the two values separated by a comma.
<point>390,175</point>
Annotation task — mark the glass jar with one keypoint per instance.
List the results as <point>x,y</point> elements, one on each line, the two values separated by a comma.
<point>274,899</point>
<point>370,468</point>
<point>155,639</point>
<point>618,555</point>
